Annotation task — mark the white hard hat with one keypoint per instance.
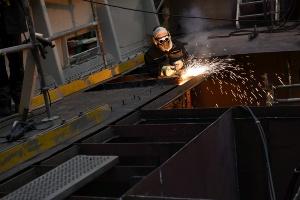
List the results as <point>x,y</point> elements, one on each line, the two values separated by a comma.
<point>159,30</point>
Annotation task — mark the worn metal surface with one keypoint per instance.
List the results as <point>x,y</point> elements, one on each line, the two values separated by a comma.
<point>81,83</point>
<point>200,46</point>
<point>131,149</point>
<point>162,101</point>
<point>140,197</point>
<point>204,168</point>
<point>70,108</point>
<point>17,154</point>
<point>64,179</point>
<point>280,126</point>
<point>152,137</point>
<point>223,151</point>
<point>139,80</point>
<point>162,155</point>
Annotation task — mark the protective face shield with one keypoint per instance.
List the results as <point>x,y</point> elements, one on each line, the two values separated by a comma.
<point>164,43</point>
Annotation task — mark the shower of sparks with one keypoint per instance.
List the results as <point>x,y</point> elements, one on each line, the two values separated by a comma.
<point>220,70</point>
<point>280,80</point>
<point>197,66</point>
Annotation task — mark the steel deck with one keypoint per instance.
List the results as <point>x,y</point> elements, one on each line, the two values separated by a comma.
<point>163,154</point>
<point>79,114</point>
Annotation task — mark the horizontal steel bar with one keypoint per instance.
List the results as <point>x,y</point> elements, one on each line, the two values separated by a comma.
<point>136,83</point>
<point>70,31</point>
<point>91,198</point>
<point>164,100</point>
<point>267,112</point>
<point>254,15</point>
<point>249,3</point>
<point>159,130</point>
<point>286,86</point>
<point>124,173</point>
<point>200,115</point>
<point>15,49</point>
<point>51,38</point>
<point>130,149</point>
<point>140,197</point>
<point>287,100</point>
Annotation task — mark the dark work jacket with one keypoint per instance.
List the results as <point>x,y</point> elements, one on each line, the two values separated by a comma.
<point>14,17</point>
<point>155,59</point>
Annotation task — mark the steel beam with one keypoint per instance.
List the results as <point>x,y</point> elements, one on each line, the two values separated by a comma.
<point>141,197</point>
<point>159,130</point>
<point>131,149</point>
<point>164,100</point>
<point>34,146</point>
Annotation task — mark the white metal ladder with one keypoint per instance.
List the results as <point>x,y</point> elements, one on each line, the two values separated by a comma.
<point>240,3</point>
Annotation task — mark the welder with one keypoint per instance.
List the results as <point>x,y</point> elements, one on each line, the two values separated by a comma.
<point>166,56</point>
<point>12,24</point>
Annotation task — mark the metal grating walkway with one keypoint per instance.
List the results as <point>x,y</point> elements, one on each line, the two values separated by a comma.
<point>65,179</point>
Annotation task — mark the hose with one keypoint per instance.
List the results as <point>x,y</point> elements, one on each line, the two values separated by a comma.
<point>264,142</point>
<point>292,183</point>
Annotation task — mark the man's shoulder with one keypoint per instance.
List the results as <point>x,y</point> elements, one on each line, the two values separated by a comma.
<point>151,50</point>
<point>154,52</point>
<point>177,43</point>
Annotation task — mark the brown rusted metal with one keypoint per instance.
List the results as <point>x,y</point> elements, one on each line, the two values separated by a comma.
<point>188,99</point>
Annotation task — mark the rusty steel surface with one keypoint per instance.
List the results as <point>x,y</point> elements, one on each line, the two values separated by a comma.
<point>186,154</point>
<point>200,153</point>
<point>71,107</point>
<point>19,152</point>
<point>204,168</point>
<point>162,101</point>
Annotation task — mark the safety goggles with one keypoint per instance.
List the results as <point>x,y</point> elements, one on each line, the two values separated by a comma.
<point>163,39</point>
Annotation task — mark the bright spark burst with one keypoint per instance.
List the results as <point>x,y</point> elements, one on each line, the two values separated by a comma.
<point>224,69</point>
<point>196,66</point>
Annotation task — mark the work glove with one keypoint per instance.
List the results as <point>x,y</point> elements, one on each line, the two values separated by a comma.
<point>167,70</point>
<point>178,65</point>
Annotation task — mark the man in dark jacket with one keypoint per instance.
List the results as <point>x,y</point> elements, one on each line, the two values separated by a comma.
<point>12,24</point>
<point>165,56</point>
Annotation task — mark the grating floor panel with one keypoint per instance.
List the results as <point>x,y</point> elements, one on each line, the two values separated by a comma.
<point>64,179</point>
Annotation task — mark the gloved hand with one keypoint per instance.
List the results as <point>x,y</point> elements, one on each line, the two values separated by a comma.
<point>178,65</point>
<point>167,70</point>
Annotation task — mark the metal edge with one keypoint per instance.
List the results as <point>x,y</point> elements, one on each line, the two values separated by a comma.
<point>51,138</point>
<point>65,90</point>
